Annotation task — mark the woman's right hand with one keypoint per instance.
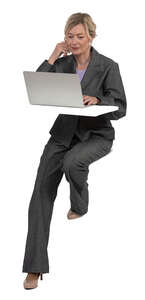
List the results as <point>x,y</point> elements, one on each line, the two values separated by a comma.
<point>59,49</point>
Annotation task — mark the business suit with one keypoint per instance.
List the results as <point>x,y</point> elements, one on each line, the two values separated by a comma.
<point>81,141</point>
<point>102,79</point>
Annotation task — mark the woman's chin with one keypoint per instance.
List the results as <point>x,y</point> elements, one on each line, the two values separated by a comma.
<point>75,51</point>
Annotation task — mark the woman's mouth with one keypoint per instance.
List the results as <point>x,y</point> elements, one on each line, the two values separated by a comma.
<point>75,48</point>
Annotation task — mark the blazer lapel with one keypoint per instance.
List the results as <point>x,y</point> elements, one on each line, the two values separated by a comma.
<point>70,67</point>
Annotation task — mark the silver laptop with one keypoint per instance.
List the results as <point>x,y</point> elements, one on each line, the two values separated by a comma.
<point>54,89</point>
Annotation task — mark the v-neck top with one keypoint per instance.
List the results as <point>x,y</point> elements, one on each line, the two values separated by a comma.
<point>80,73</point>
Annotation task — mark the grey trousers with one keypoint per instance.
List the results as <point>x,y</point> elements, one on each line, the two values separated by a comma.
<point>55,161</point>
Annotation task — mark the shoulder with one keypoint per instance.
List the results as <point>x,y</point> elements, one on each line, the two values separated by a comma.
<point>108,64</point>
<point>107,60</point>
<point>102,59</point>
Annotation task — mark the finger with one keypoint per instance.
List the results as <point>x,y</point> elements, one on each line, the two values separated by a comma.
<point>86,98</point>
<point>66,43</point>
<point>64,53</point>
<point>90,103</point>
<point>86,102</point>
<point>64,48</point>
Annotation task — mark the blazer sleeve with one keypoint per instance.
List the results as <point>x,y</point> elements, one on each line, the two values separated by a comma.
<point>113,92</point>
<point>46,67</point>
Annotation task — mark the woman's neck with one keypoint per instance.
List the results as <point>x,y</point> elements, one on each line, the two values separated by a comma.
<point>83,59</point>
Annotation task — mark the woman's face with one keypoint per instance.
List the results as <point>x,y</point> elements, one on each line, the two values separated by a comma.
<point>77,40</point>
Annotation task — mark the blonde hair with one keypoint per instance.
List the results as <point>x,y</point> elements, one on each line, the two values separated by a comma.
<point>84,19</point>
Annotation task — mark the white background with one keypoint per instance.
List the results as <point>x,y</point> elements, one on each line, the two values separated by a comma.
<point>101,255</point>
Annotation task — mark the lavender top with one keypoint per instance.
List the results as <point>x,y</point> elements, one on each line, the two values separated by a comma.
<point>80,73</point>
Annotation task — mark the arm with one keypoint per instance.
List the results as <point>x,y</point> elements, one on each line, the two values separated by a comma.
<point>50,64</point>
<point>46,67</point>
<point>114,93</point>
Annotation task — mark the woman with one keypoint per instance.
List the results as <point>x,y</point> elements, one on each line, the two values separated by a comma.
<point>76,141</point>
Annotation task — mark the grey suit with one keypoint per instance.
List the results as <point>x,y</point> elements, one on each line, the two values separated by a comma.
<point>75,143</point>
<point>102,79</point>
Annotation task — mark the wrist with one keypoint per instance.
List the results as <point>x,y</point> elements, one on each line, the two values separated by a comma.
<point>51,60</point>
<point>98,100</point>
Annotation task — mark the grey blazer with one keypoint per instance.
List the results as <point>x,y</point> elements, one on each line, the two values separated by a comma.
<point>102,79</point>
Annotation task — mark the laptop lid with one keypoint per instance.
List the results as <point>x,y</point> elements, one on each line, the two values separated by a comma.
<point>55,89</point>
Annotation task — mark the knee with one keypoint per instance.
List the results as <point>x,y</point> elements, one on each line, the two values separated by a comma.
<point>75,166</point>
<point>68,165</point>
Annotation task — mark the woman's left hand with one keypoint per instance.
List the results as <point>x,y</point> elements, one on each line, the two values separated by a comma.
<point>90,100</point>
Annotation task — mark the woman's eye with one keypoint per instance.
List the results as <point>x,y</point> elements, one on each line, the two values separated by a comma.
<point>80,37</point>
